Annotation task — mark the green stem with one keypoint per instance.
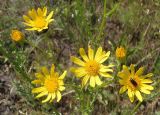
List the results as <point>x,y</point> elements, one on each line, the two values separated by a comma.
<point>103,22</point>
<point>136,107</point>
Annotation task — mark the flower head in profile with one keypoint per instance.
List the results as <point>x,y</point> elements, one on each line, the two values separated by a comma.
<point>16,35</point>
<point>120,52</point>
<point>91,68</point>
<point>135,82</point>
<point>50,84</point>
<point>38,20</point>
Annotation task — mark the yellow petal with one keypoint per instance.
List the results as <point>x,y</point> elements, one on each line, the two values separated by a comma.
<point>60,82</point>
<point>85,80</point>
<point>39,75</point>
<point>53,95</point>
<point>123,75</point>
<point>98,54</point>
<point>36,82</point>
<point>80,72</point>
<point>105,57</point>
<point>105,75</point>
<point>32,13</point>
<point>123,89</point>
<point>146,81</point>
<point>44,11</point>
<point>27,19</point>
<point>132,69</point>
<point>148,75</point>
<point>138,95</point>
<point>52,70</point>
<point>49,16</point>
<point>105,70</point>
<point>77,61</point>
<point>42,94</point>
<point>40,12</point>
<point>31,29</point>
<point>47,99</point>
<point>61,88</point>
<point>147,87</point>
<point>140,71</point>
<point>63,75</point>
<point>90,53</point>
<point>126,70</point>
<point>131,95</point>
<point>58,96</point>
<point>97,80</point>
<point>39,89</point>
<point>45,71</point>
<point>92,81</point>
<point>83,54</point>
<point>145,91</point>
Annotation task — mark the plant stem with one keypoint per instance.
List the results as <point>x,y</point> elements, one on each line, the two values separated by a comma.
<point>136,107</point>
<point>103,22</point>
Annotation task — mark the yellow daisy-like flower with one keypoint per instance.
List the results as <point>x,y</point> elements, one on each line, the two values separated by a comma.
<point>50,84</point>
<point>38,20</point>
<point>91,68</point>
<point>135,82</point>
<point>120,52</point>
<point>16,35</point>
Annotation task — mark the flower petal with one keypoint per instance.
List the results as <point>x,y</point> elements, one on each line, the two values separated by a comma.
<point>138,95</point>
<point>80,72</point>
<point>90,53</point>
<point>61,88</point>
<point>105,57</point>
<point>140,71</point>
<point>52,70</point>
<point>146,81</point>
<point>85,80</point>
<point>40,12</point>
<point>145,91</point>
<point>53,97</point>
<point>63,75</point>
<point>147,87</point>
<point>97,80</point>
<point>77,61</point>
<point>42,94</point>
<point>132,69</point>
<point>39,89</point>
<point>44,11</point>
<point>45,71</point>
<point>131,95</point>
<point>123,89</point>
<point>47,99</point>
<point>83,54</point>
<point>92,81</point>
<point>49,16</point>
<point>59,96</point>
<point>105,75</point>
<point>98,54</point>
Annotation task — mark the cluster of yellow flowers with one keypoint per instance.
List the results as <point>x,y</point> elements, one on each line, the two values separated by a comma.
<point>89,70</point>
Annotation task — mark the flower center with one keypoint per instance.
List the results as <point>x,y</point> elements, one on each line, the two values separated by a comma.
<point>133,83</point>
<point>92,68</point>
<point>51,84</point>
<point>40,22</point>
<point>17,35</point>
<point>120,52</point>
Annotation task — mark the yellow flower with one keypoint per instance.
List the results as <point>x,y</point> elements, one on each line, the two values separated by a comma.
<point>134,82</point>
<point>120,52</point>
<point>16,35</point>
<point>38,20</point>
<point>50,84</point>
<point>91,68</point>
